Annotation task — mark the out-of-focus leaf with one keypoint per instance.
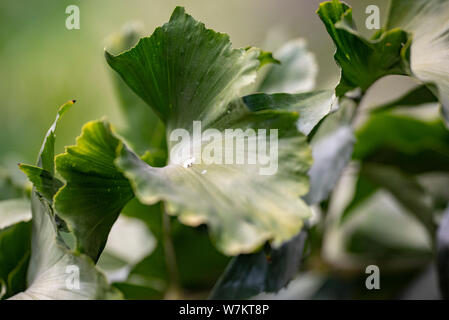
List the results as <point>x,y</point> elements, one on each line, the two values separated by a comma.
<point>142,129</point>
<point>311,106</point>
<point>137,292</point>
<point>332,147</point>
<point>199,268</point>
<point>413,145</point>
<point>427,21</point>
<point>9,189</point>
<point>381,231</point>
<point>296,72</point>
<point>13,211</point>
<point>95,191</point>
<point>129,241</point>
<point>404,188</point>
<point>363,61</point>
<point>364,189</point>
<point>443,255</point>
<point>414,98</point>
<point>198,263</point>
<point>266,57</point>
<point>15,246</point>
<point>251,274</point>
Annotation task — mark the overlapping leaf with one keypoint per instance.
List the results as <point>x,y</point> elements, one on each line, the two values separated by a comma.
<point>428,22</point>
<point>51,261</point>
<point>363,61</point>
<point>296,72</point>
<point>185,73</point>
<point>141,128</point>
<point>95,191</point>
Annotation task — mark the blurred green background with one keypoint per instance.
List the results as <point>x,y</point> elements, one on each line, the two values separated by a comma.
<point>43,64</point>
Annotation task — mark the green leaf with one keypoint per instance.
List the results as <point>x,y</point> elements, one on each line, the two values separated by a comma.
<point>312,107</point>
<point>141,127</point>
<point>52,264</point>
<point>186,72</point>
<point>414,98</point>
<point>443,255</point>
<point>405,189</point>
<point>13,211</point>
<point>197,269</point>
<point>44,182</point>
<point>413,145</point>
<point>364,189</point>
<point>15,246</point>
<point>95,191</point>
<point>265,207</point>
<point>266,57</point>
<point>427,22</point>
<point>129,241</point>
<point>332,146</point>
<point>363,61</point>
<point>46,157</point>
<point>52,261</point>
<point>296,72</point>
<point>9,189</point>
<point>250,274</point>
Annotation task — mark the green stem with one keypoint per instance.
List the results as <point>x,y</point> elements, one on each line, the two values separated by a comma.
<point>174,288</point>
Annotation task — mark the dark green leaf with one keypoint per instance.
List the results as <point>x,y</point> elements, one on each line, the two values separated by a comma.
<point>311,106</point>
<point>414,98</point>
<point>363,61</point>
<point>405,189</point>
<point>44,182</point>
<point>141,129</point>
<point>15,246</point>
<point>251,274</point>
<point>95,191</point>
<point>413,145</point>
<point>186,72</point>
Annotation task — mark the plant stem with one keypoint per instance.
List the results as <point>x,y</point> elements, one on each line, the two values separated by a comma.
<point>174,289</point>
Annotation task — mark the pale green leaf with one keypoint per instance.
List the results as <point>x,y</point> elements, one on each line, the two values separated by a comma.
<point>52,264</point>
<point>428,22</point>
<point>296,73</point>
<point>332,147</point>
<point>265,207</point>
